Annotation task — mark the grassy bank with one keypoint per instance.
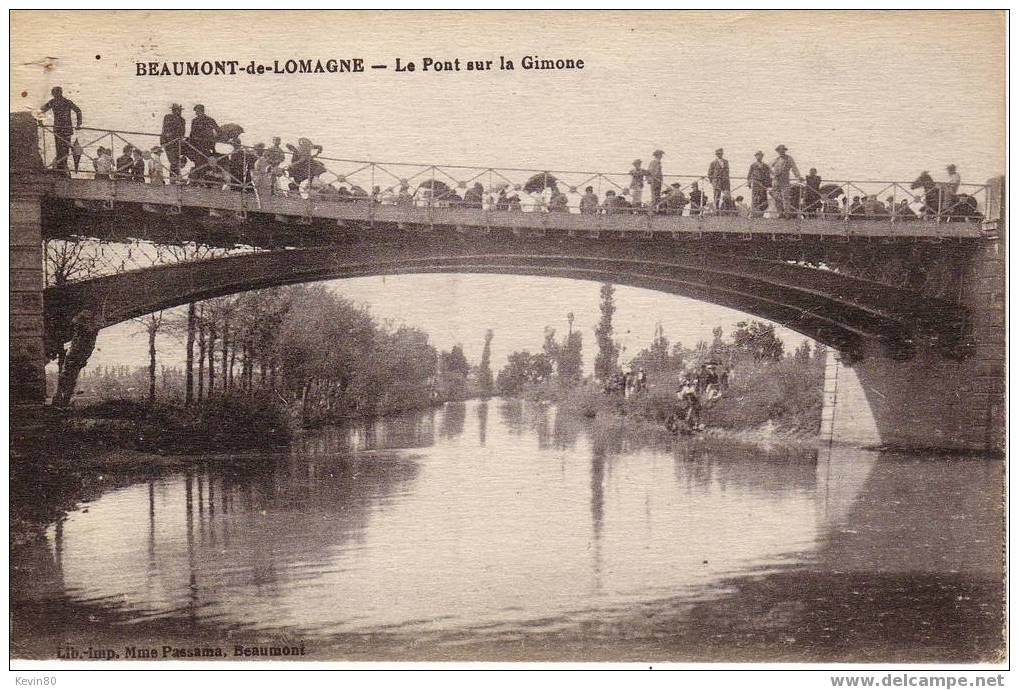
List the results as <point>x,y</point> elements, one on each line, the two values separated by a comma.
<point>224,422</point>
<point>764,403</point>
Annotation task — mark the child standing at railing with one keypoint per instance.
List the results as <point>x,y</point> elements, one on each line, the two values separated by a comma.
<point>103,164</point>
<point>155,166</point>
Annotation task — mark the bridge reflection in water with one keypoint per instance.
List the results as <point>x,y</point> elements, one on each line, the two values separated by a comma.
<point>549,536</point>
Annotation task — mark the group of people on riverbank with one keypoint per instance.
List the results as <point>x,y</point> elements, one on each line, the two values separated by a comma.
<point>696,389</point>
<point>775,189</point>
<point>699,386</point>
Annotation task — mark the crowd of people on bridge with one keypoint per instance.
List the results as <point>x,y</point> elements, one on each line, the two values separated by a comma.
<point>775,190</point>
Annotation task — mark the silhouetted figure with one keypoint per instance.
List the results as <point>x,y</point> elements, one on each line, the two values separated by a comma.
<point>125,162</point>
<point>63,130</point>
<point>172,139</point>
<point>202,141</point>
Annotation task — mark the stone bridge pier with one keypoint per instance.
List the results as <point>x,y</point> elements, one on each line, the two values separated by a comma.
<point>27,364</point>
<point>929,401</point>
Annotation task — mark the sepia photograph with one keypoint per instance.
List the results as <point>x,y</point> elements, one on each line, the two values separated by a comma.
<point>511,337</point>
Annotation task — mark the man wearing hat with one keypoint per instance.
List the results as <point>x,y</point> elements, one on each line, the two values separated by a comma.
<point>759,181</point>
<point>654,173</point>
<point>780,169</point>
<point>954,180</point>
<point>718,176</point>
<point>675,200</point>
<point>203,137</point>
<point>172,138</point>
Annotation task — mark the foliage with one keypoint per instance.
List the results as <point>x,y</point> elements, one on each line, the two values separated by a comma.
<point>304,347</point>
<point>523,368</point>
<point>605,363</point>
<point>758,339</point>
<point>658,359</point>
<point>787,393</point>
<point>223,422</point>
<point>567,357</point>
<point>453,373</point>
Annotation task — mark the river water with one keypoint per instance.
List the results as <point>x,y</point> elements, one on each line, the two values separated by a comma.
<point>509,530</point>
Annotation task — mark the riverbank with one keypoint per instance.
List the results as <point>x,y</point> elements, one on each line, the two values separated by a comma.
<point>645,416</point>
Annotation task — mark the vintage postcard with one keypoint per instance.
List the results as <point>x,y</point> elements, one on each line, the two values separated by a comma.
<point>540,336</point>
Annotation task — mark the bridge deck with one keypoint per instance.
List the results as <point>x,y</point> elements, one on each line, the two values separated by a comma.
<point>425,217</point>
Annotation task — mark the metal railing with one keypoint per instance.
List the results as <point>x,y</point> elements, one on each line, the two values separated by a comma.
<point>303,172</point>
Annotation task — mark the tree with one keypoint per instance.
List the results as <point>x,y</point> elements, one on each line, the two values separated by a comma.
<point>152,323</point>
<point>485,382</point>
<point>67,261</point>
<point>758,340</point>
<point>523,368</point>
<point>453,371</point>
<point>570,365</point>
<point>189,367</point>
<point>191,251</point>
<point>605,363</point>
<point>657,358</point>
<point>70,260</point>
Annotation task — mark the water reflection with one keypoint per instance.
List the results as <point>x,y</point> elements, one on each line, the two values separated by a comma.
<point>522,521</point>
<point>454,414</point>
<point>482,411</point>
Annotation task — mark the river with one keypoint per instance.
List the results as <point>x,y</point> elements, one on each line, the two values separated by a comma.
<point>508,530</point>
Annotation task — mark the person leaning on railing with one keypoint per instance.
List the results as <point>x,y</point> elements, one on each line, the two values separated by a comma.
<point>558,202</point>
<point>124,163</point>
<point>674,201</point>
<point>589,202</point>
<point>103,164</point>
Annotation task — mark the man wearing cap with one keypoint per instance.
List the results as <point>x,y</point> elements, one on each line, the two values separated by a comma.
<point>954,180</point>
<point>203,138</point>
<point>62,128</point>
<point>718,175</point>
<point>654,173</point>
<point>675,200</point>
<point>780,169</point>
<point>759,180</point>
<point>172,138</point>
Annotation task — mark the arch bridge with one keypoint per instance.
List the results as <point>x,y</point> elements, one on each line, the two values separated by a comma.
<point>914,307</point>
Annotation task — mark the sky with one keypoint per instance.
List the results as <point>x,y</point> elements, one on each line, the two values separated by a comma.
<point>867,95</point>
